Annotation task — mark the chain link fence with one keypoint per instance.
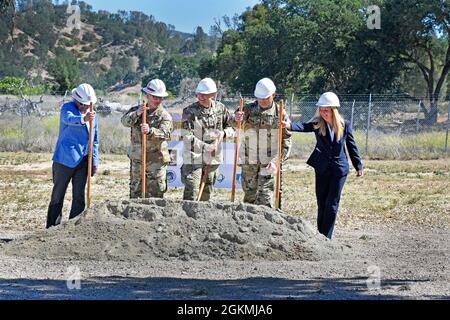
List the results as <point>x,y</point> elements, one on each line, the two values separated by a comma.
<point>385,126</point>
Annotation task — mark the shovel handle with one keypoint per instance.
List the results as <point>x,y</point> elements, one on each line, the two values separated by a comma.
<point>91,125</point>
<point>236,152</point>
<point>144,156</point>
<point>280,149</point>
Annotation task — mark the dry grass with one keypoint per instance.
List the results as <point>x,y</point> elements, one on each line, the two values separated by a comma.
<point>385,146</point>
<point>40,135</point>
<point>391,192</point>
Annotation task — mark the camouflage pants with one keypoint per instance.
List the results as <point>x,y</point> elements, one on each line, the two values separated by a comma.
<point>191,176</point>
<point>258,187</point>
<point>156,184</point>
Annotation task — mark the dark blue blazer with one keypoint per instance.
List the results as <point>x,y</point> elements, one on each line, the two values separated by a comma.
<point>330,157</point>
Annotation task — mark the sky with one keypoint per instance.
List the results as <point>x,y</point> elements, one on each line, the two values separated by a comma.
<point>185,15</point>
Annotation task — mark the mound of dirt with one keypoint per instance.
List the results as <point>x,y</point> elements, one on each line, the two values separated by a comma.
<point>165,229</point>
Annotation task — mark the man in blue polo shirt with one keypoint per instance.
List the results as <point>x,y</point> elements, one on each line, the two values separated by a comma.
<point>70,159</point>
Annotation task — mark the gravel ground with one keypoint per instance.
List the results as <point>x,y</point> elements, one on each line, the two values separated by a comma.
<point>398,235</point>
<point>378,263</point>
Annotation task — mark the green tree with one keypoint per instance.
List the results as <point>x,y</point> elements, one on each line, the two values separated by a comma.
<point>323,45</point>
<point>300,44</point>
<point>8,15</point>
<point>65,69</point>
<point>417,33</point>
<point>198,43</point>
<point>173,70</point>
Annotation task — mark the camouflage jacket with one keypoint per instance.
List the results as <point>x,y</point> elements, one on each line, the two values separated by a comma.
<point>201,126</point>
<point>260,128</point>
<point>160,123</point>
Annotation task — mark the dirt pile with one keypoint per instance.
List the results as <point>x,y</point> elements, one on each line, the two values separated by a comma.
<point>165,229</point>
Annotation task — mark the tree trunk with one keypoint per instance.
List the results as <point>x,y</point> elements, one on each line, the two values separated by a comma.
<point>432,116</point>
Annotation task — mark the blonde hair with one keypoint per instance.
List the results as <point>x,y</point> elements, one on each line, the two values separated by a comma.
<point>338,123</point>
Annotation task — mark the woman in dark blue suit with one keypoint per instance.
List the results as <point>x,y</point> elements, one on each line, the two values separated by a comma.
<point>329,159</point>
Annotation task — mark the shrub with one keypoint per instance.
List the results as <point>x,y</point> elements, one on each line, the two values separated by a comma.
<point>16,86</point>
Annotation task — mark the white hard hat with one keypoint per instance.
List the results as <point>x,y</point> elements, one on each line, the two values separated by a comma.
<point>84,94</point>
<point>264,88</point>
<point>156,88</point>
<point>328,99</point>
<point>206,86</point>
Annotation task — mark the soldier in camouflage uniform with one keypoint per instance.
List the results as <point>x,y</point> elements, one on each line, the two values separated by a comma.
<point>260,139</point>
<point>157,129</point>
<point>205,124</point>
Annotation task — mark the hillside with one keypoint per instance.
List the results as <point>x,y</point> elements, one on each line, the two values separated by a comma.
<point>303,46</point>
<point>113,51</point>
